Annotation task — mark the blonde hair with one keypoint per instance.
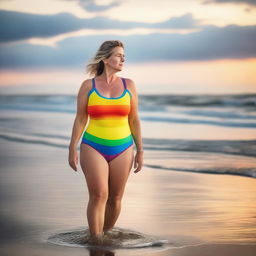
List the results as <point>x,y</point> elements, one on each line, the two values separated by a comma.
<point>95,66</point>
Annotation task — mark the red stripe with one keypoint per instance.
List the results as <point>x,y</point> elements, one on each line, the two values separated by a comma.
<point>108,110</point>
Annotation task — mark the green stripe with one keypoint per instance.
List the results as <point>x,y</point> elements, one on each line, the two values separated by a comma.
<point>105,141</point>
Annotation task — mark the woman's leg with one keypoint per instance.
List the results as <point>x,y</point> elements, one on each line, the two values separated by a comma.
<point>95,169</point>
<point>119,169</point>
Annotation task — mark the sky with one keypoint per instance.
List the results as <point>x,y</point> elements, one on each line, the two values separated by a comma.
<point>176,47</point>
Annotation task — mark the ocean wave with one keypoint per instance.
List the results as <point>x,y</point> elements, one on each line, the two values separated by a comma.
<point>250,172</point>
<point>165,149</point>
<point>220,114</point>
<point>200,100</point>
<point>230,147</point>
<point>226,123</point>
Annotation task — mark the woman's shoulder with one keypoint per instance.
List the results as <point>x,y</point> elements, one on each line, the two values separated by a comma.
<point>85,88</point>
<point>87,82</point>
<point>86,85</point>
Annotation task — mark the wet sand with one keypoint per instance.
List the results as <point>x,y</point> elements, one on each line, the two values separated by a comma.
<point>202,214</point>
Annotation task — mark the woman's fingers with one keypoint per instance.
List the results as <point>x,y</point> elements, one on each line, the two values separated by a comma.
<point>138,162</point>
<point>73,160</point>
<point>135,162</point>
<point>73,165</point>
<point>139,168</point>
<point>139,165</point>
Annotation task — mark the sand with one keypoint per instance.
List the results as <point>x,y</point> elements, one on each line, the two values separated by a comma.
<point>199,214</point>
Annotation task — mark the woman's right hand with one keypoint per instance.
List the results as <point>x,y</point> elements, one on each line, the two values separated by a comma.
<point>73,158</point>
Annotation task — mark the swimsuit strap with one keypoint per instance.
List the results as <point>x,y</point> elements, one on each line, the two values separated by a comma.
<point>93,83</point>
<point>123,79</point>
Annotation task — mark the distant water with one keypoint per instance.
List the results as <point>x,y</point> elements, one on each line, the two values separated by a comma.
<point>195,133</point>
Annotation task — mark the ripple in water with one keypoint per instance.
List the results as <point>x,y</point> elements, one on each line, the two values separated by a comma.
<point>116,238</point>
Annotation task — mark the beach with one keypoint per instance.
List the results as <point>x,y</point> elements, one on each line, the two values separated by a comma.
<point>199,214</point>
<point>195,195</point>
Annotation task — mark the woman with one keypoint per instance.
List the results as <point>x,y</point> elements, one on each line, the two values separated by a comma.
<point>106,150</point>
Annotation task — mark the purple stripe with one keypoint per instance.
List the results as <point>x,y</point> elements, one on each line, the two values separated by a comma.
<point>123,79</point>
<point>107,157</point>
<point>111,157</point>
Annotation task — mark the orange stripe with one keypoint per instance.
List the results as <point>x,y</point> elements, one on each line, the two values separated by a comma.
<point>108,110</point>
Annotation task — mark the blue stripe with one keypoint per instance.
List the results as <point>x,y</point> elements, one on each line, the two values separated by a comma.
<point>122,95</point>
<point>129,93</point>
<point>109,150</point>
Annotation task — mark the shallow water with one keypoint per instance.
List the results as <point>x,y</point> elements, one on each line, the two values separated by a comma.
<point>116,238</point>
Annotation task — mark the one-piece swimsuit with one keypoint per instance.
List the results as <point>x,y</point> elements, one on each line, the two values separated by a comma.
<point>108,130</point>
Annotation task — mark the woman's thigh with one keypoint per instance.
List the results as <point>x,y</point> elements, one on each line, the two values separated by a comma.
<point>95,169</point>
<point>119,169</point>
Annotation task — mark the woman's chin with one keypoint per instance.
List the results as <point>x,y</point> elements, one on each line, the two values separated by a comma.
<point>119,68</point>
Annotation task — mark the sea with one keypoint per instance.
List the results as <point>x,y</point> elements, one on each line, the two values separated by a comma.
<point>188,133</point>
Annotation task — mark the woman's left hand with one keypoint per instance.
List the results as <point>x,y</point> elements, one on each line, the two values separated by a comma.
<point>138,161</point>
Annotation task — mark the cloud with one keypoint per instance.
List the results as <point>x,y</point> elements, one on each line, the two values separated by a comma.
<point>19,26</point>
<point>185,21</point>
<point>250,2</point>
<point>235,42</point>
<point>91,6</point>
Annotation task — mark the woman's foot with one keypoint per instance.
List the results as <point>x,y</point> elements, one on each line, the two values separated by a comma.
<point>95,239</point>
<point>105,230</point>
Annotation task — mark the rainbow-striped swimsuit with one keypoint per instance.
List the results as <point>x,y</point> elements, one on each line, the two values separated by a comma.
<point>108,130</point>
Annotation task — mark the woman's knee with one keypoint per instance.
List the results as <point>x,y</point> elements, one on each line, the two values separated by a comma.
<point>100,195</point>
<point>114,200</point>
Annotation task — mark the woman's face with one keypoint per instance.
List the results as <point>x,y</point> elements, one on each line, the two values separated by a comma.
<point>116,60</point>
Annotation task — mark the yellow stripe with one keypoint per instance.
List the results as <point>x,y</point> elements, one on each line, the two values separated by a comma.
<point>109,132</point>
<point>109,122</point>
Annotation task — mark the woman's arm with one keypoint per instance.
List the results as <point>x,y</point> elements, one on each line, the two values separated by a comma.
<point>134,124</point>
<point>79,123</point>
